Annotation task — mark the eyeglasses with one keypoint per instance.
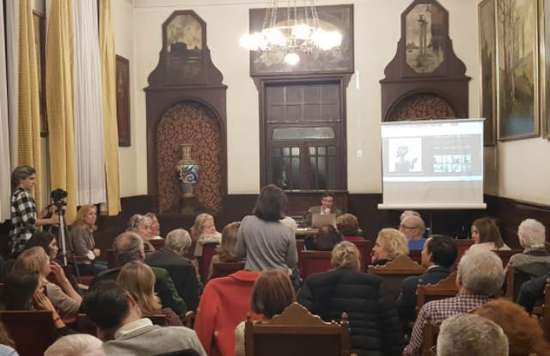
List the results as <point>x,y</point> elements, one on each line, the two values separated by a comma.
<point>408,227</point>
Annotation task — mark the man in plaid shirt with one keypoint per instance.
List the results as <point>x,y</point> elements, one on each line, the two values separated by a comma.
<point>24,217</point>
<point>480,276</point>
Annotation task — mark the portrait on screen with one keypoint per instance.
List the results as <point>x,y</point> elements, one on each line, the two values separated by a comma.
<point>405,155</point>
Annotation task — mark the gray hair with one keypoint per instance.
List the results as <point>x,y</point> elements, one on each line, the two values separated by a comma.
<point>406,213</point>
<point>472,335</point>
<point>178,240</point>
<point>136,220</point>
<point>417,221</point>
<point>128,247</point>
<point>76,345</point>
<point>481,272</point>
<point>531,233</point>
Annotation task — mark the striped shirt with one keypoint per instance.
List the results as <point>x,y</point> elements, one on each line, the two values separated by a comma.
<point>436,312</point>
<point>23,219</point>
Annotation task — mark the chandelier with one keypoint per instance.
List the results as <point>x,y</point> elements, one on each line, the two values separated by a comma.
<point>300,33</point>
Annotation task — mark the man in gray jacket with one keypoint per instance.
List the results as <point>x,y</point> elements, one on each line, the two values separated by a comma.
<point>118,317</point>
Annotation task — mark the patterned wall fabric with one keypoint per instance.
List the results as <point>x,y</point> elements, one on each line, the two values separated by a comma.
<point>422,107</point>
<point>190,123</point>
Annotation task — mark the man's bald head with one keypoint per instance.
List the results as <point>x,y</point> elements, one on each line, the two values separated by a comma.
<point>412,227</point>
<point>128,247</point>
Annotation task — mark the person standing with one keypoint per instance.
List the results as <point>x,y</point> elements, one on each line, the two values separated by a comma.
<point>24,216</point>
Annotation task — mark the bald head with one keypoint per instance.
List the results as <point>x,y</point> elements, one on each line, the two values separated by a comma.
<point>413,227</point>
<point>128,247</point>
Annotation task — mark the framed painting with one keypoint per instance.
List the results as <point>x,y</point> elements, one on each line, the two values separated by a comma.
<point>123,101</point>
<point>487,46</point>
<point>39,26</point>
<point>336,60</point>
<point>517,69</point>
<point>545,66</point>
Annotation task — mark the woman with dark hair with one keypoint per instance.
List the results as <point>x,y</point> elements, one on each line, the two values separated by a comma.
<point>46,240</point>
<point>24,217</point>
<point>262,239</point>
<point>272,293</point>
<point>486,235</point>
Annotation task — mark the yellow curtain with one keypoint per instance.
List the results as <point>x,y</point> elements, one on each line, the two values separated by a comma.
<point>108,76</point>
<point>28,130</point>
<point>59,101</point>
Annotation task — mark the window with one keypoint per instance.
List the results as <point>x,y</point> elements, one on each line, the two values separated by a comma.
<point>304,136</point>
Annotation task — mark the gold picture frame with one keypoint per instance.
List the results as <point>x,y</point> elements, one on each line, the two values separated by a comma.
<point>517,69</point>
<point>488,80</point>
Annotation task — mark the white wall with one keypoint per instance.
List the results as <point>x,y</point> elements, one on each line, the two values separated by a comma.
<point>377,30</point>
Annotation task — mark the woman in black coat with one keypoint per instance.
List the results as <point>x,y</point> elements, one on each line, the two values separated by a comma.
<point>374,325</point>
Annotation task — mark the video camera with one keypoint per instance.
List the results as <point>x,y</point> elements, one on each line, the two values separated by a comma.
<point>59,198</point>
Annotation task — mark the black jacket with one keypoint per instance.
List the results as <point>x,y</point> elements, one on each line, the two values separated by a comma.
<point>182,272</point>
<point>407,298</point>
<point>532,291</point>
<point>374,325</point>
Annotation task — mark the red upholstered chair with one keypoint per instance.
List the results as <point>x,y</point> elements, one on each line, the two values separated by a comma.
<point>365,249</point>
<point>505,255</point>
<point>208,251</point>
<point>416,255</point>
<point>462,246</point>
<point>33,331</point>
<point>314,262</point>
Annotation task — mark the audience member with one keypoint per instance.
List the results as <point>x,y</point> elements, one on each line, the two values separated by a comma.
<point>532,292</point>
<point>272,293</point>
<point>24,217</point>
<point>486,235</point>
<point>141,225</point>
<point>438,256</point>
<point>472,335</point>
<point>182,271</point>
<point>348,225</point>
<point>62,294</point>
<point>480,277</point>
<point>83,242</point>
<point>76,345</point>
<point>413,227</point>
<point>139,279</point>
<point>118,316</point>
<point>204,231</point>
<point>327,237</point>
<point>532,237</point>
<point>262,239</point>
<point>389,244</point>
<point>374,325</point>
<point>128,247</point>
<point>224,304</point>
<point>225,253</point>
<point>25,291</point>
<point>406,213</point>
<point>47,241</point>
<point>326,207</point>
<point>525,335</point>
<point>155,226</point>
<point>6,343</point>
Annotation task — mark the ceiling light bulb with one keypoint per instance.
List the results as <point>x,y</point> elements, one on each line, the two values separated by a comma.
<point>292,59</point>
<point>302,31</point>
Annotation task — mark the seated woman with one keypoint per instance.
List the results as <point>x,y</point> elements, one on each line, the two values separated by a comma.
<point>25,291</point>
<point>62,294</point>
<point>486,235</point>
<point>139,279</point>
<point>155,226</point>
<point>83,243</point>
<point>141,225</point>
<point>224,252</point>
<point>204,231</point>
<point>525,335</point>
<point>348,225</point>
<point>374,325</point>
<point>272,293</point>
<point>389,244</point>
<point>532,237</point>
<point>325,240</point>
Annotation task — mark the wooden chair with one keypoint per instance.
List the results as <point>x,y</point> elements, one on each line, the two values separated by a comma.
<point>314,262</point>
<point>296,332</point>
<point>445,288</point>
<point>546,312</point>
<point>157,243</point>
<point>208,251</point>
<point>225,268</point>
<point>462,246</point>
<point>33,331</point>
<point>515,277</point>
<point>393,274</point>
<point>505,255</point>
<point>429,340</point>
<point>365,248</point>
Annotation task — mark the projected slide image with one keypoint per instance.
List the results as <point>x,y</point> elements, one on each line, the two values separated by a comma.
<point>452,163</point>
<point>405,155</point>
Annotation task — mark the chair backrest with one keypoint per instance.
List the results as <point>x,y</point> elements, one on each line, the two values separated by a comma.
<point>297,332</point>
<point>32,330</point>
<point>516,276</point>
<point>461,246</point>
<point>314,262</point>
<point>158,319</point>
<point>208,251</point>
<point>393,274</point>
<point>365,249</point>
<point>111,258</point>
<point>445,288</point>
<point>546,311</point>
<point>505,255</point>
<point>300,245</point>
<point>223,269</point>
<point>157,243</point>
